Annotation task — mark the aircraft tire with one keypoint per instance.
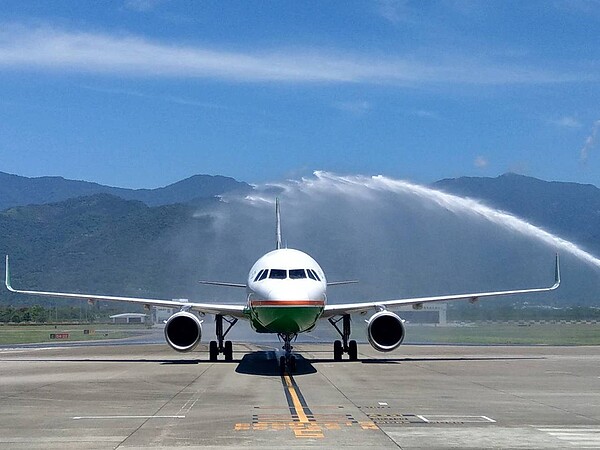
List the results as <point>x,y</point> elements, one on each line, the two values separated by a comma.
<point>282,365</point>
<point>292,363</point>
<point>338,350</point>
<point>228,351</point>
<point>213,351</point>
<point>352,350</point>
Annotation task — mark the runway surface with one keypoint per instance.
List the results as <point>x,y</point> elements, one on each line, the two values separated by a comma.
<point>145,396</point>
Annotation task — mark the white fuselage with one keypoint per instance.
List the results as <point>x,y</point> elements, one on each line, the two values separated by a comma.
<point>286,292</point>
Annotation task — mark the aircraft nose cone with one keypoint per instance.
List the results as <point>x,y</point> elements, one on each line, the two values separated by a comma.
<point>288,294</point>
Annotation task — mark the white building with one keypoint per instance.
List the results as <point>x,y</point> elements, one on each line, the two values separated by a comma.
<point>129,318</point>
<point>432,313</point>
<point>161,313</point>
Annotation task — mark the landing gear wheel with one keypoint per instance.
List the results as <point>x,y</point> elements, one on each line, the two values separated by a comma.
<point>338,350</point>
<point>345,345</point>
<point>292,363</point>
<point>282,365</point>
<point>352,350</point>
<point>221,346</point>
<point>213,350</point>
<point>228,351</point>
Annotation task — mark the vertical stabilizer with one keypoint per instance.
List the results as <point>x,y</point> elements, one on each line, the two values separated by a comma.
<point>7,276</point>
<point>278,224</point>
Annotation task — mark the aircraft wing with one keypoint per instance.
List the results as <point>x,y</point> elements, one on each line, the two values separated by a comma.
<point>349,308</point>
<point>208,308</point>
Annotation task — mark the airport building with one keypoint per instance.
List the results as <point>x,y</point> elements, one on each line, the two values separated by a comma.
<point>129,318</point>
<point>160,313</point>
<point>433,313</point>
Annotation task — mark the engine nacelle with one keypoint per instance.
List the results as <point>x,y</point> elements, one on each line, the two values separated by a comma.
<point>385,331</point>
<point>183,331</point>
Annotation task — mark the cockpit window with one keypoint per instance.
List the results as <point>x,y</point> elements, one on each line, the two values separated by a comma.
<point>297,274</point>
<point>265,272</point>
<point>314,274</point>
<point>258,275</point>
<point>278,274</point>
<point>261,275</point>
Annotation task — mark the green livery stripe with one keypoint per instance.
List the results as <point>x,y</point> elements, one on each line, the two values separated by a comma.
<point>285,319</point>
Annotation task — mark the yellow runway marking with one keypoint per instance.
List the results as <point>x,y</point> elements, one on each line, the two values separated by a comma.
<point>304,423</point>
<point>295,400</point>
<point>303,428</point>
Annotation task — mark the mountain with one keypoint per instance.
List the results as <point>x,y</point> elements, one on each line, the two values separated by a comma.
<point>185,191</point>
<point>570,210</point>
<point>82,235</point>
<point>102,243</point>
<point>17,191</point>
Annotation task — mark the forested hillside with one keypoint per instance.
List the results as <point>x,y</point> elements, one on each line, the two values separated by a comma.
<point>105,244</point>
<point>17,191</point>
<point>570,210</point>
<point>99,243</point>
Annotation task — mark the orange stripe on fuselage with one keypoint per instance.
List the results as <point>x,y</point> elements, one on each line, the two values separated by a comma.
<point>287,303</point>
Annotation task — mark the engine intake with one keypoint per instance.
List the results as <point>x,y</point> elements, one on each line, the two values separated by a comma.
<point>385,331</point>
<point>183,331</point>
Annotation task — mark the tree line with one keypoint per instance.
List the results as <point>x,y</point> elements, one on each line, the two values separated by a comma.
<point>40,314</point>
<point>513,312</point>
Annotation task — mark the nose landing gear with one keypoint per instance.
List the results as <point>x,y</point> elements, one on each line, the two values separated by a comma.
<point>287,361</point>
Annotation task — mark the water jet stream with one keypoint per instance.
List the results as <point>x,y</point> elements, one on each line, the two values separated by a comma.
<point>362,187</point>
<point>397,238</point>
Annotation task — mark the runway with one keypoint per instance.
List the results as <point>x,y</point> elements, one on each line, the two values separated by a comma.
<point>147,396</point>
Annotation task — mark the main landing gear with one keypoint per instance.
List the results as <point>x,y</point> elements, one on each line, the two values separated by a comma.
<point>345,345</point>
<point>221,346</point>
<point>288,360</point>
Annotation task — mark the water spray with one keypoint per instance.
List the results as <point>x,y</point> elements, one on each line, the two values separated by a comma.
<point>366,188</point>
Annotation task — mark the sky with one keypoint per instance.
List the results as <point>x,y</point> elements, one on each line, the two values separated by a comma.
<point>144,93</point>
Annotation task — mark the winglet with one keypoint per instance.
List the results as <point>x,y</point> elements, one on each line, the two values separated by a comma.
<point>277,224</point>
<point>7,277</point>
<point>556,273</point>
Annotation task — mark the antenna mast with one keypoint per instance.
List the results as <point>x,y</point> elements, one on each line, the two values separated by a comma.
<point>278,224</point>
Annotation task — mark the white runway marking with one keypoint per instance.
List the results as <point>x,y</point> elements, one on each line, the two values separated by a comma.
<point>447,418</point>
<point>579,437</point>
<point>27,349</point>
<point>126,417</point>
<point>487,418</point>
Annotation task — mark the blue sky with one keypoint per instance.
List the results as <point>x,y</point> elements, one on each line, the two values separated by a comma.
<point>143,93</point>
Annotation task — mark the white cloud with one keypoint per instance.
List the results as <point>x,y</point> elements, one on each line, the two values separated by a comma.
<point>166,98</point>
<point>566,122</point>
<point>587,7</point>
<point>481,162</point>
<point>357,107</point>
<point>425,114</point>
<point>142,5</point>
<point>520,167</point>
<point>394,11</point>
<point>46,48</point>
<point>589,144</point>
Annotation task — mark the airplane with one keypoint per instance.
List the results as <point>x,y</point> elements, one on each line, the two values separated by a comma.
<point>285,295</point>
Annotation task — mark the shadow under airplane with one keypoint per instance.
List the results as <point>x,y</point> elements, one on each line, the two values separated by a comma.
<point>267,363</point>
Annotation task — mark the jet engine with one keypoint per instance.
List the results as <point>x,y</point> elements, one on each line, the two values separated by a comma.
<point>385,331</point>
<point>183,331</point>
